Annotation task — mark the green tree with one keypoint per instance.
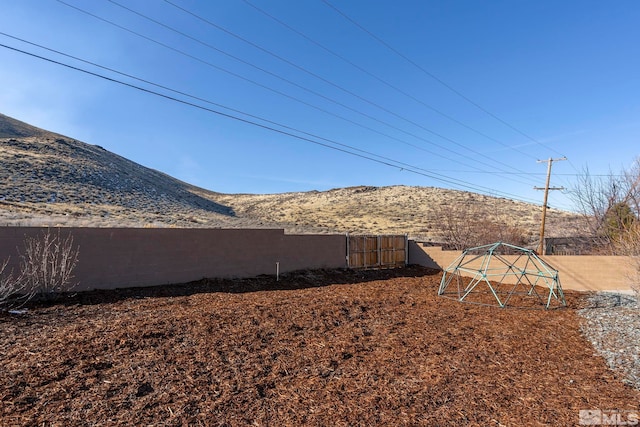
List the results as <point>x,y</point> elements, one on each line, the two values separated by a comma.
<point>618,220</point>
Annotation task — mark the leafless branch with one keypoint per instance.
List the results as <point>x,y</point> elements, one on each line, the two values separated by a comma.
<point>47,263</point>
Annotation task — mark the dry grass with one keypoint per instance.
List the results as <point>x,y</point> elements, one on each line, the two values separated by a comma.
<point>417,211</point>
<point>48,179</point>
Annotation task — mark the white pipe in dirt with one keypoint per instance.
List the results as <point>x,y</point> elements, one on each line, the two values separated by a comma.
<point>277,271</point>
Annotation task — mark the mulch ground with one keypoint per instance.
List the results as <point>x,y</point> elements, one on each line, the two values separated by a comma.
<point>330,348</point>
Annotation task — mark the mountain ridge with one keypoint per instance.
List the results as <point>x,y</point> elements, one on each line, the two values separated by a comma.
<point>12,128</point>
<point>51,179</point>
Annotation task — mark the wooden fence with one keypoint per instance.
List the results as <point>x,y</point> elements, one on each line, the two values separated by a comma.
<point>377,251</point>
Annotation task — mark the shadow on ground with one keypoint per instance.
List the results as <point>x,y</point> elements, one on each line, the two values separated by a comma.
<point>302,279</point>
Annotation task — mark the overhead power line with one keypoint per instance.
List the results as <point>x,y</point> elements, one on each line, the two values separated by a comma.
<point>236,75</point>
<point>383,81</point>
<point>210,102</point>
<point>205,62</point>
<point>278,76</point>
<point>347,149</point>
<point>349,92</point>
<point>434,77</point>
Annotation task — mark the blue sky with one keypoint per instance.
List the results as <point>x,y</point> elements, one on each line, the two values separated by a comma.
<point>453,94</point>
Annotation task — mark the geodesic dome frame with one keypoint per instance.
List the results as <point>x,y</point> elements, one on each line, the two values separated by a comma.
<point>502,273</point>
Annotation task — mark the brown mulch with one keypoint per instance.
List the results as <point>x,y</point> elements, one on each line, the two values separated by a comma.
<point>315,348</point>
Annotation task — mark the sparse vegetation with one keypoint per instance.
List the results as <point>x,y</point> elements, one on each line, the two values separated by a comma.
<point>464,229</point>
<point>47,263</point>
<point>611,208</point>
<point>46,268</point>
<point>10,285</point>
<point>418,211</point>
<point>50,180</point>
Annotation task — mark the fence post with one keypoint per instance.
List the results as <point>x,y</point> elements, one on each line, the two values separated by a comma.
<point>406,249</point>
<point>347,260</point>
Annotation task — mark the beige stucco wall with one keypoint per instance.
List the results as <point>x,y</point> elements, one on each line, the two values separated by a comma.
<point>128,257</point>
<point>125,257</point>
<point>591,273</point>
<point>580,272</point>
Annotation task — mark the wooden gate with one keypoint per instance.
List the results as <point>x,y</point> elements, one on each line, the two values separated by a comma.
<point>381,251</point>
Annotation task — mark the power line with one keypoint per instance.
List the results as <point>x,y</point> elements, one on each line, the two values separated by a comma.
<point>293,84</point>
<point>181,52</point>
<point>210,102</point>
<point>390,163</point>
<point>383,81</point>
<point>434,77</point>
<point>280,92</point>
<point>284,94</point>
<point>279,57</point>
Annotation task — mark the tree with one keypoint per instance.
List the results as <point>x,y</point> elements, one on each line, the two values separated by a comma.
<point>610,204</point>
<point>462,229</point>
<point>618,220</point>
<point>611,207</point>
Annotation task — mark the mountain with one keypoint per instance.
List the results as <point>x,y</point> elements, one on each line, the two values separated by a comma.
<point>50,179</point>
<point>12,128</point>
<point>46,173</point>
<point>419,212</point>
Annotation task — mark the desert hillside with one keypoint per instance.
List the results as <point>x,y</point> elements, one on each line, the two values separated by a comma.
<point>417,211</point>
<point>50,179</point>
<point>45,175</point>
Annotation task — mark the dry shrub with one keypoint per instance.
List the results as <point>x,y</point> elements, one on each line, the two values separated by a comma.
<point>10,285</point>
<point>628,244</point>
<point>462,229</point>
<point>47,263</point>
<point>46,268</point>
<point>611,207</point>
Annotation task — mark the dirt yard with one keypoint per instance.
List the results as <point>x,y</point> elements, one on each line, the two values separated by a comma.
<point>316,348</point>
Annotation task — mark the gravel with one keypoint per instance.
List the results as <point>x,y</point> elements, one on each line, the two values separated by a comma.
<point>612,325</point>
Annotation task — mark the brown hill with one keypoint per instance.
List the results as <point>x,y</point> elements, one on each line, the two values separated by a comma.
<point>43,173</point>
<point>417,211</point>
<point>50,179</point>
<point>12,128</point>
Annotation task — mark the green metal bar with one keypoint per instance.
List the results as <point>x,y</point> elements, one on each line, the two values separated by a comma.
<point>529,271</point>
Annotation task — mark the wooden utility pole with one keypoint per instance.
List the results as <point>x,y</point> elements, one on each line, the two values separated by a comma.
<point>541,248</point>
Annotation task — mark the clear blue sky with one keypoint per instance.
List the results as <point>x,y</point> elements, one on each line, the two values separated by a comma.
<point>467,93</point>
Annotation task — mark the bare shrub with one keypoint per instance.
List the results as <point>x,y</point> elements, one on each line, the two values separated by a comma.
<point>10,285</point>
<point>610,205</point>
<point>47,263</point>
<point>629,245</point>
<point>611,208</point>
<point>462,229</point>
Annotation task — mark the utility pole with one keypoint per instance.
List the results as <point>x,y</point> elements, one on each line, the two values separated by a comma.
<point>549,161</point>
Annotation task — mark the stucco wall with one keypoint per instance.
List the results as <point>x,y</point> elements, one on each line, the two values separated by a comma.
<point>579,272</point>
<point>128,257</point>
<point>125,257</point>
